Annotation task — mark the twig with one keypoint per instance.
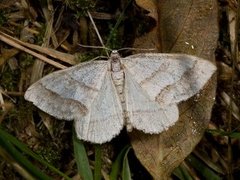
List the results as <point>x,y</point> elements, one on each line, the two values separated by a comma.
<point>22,48</point>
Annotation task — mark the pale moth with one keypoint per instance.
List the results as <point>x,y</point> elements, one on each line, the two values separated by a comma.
<point>139,91</point>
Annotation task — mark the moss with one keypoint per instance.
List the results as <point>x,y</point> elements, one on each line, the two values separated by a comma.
<point>80,6</point>
<point>49,153</point>
<point>26,60</point>
<point>9,79</point>
<point>114,38</point>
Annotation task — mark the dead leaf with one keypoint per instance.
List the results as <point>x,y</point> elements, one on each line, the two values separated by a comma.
<point>189,27</point>
<point>7,54</point>
<point>150,40</point>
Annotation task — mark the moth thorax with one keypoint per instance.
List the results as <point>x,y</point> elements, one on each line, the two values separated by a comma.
<point>118,79</point>
<point>116,66</point>
<point>117,73</point>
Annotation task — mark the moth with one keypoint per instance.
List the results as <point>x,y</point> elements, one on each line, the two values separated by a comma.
<point>140,91</point>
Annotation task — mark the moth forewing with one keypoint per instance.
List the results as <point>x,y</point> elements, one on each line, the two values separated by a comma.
<point>165,76</point>
<point>190,83</point>
<point>65,93</point>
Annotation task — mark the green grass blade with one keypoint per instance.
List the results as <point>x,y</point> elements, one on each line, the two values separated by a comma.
<point>126,173</point>
<point>232,134</point>
<point>98,162</point>
<point>21,146</point>
<point>202,168</point>
<point>81,157</point>
<point>21,160</point>
<point>116,26</point>
<point>117,165</point>
<point>235,135</point>
<point>182,173</point>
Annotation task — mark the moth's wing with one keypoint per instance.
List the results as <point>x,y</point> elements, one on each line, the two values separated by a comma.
<point>70,92</point>
<point>169,78</point>
<point>105,117</point>
<point>145,114</point>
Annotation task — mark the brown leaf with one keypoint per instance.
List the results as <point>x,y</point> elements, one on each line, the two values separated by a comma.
<point>150,40</point>
<point>189,27</point>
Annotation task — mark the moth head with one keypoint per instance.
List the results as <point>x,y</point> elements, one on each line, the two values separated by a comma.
<point>114,56</point>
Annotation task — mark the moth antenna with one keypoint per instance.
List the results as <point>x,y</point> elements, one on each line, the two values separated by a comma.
<point>137,49</point>
<point>95,47</point>
<point>98,57</point>
<point>97,32</point>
